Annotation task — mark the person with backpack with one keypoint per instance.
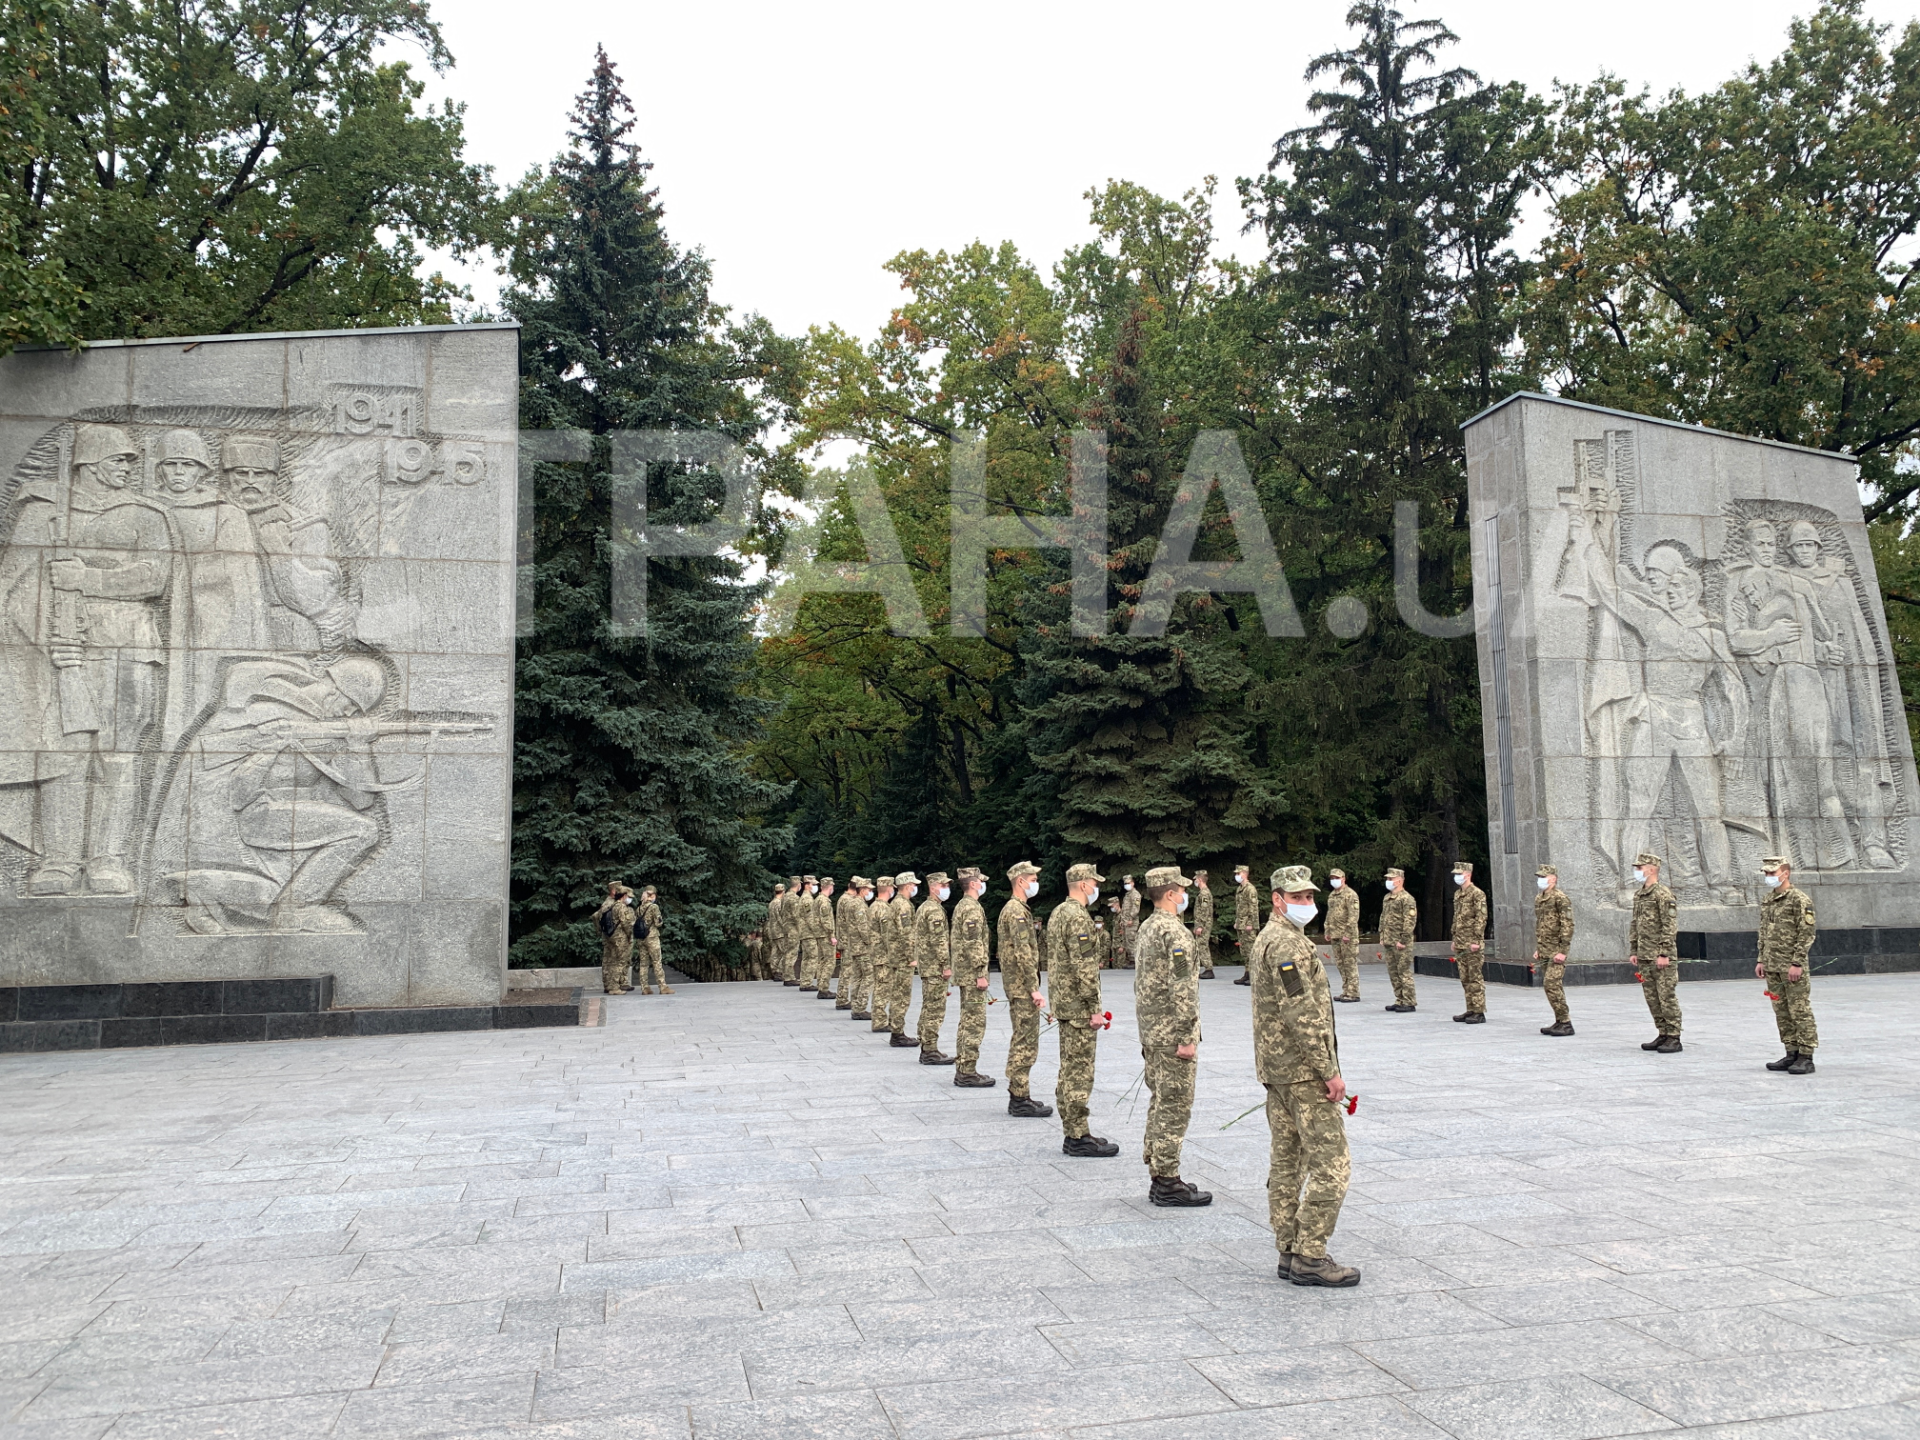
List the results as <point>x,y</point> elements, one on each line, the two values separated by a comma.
<point>647,969</point>
<point>615,921</point>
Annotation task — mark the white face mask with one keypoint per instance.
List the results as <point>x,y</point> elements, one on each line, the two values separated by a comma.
<point>1459,879</point>
<point>1392,885</point>
<point>945,890</point>
<point>1182,905</point>
<point>1335,883</point>
<point>1301,914</point>
<point>1541,881</point>
<point>1033,888</point>
<point>1773,882</point>
<point>813,889</point>
<point>1129,885</point>
<point>1639,876</point>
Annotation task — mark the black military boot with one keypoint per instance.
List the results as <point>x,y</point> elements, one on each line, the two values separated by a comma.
<point>934,1057</point>
<point>1286,1265</point>
<point>1802,1064</point>
<point>1245,978</point>
<point>1669,1045</point>
<point>1473,1017</point>
<point>861,1015</point>
<point>1654,1043</point>
<point>1088,1146</point>
<point>1559,1027</point>
<point>973,1080</point>
<point>1347,999</point>
<point>790,984</point>
<point>1398,1009</point>
<point>1785,1062</point>
<point>825,994</point>
<point>1028,1108</point>
<point>901,1042</point>
<point>1172,1190</point>
<point>1323,1271</point>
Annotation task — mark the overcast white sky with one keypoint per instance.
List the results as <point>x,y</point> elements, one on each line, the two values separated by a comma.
<point>802,145</point>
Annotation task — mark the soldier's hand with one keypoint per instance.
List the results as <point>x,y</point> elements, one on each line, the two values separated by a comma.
<point>1536,954</point>
<point>1474,947</point>
<point>1336,1090</point>
<point>1561,958</point>
<point>946,974</point>
<point>1793,972</point>
<point>1759,971</point>
<point>1039,1001</point>
<point>1186,1052</point>
<point>981,983</point>
<point>1633,959</point>
<point>1661,962</point>
<point>67,574</point>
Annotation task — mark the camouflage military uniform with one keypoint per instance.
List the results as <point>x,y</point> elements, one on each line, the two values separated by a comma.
<point>773,935</point>
<point>972,955</point>
<point>1553,935</point>
<point>1020,979</point>
<point>1127,931</point>
<point>1786,935</point>
<point>900,995</point>
<point>616,950</point>
<point>826,936</point>
<point>1399,918</point>
<point>1166,1002</point>
<point>880,947</point>
<point>1469,938</point>
<point>932,957</point>
<point>1651,933</point>
<point>1105,928</point>
<point>856,944</point>
<point>1202,925</point>
<point>1073,963</point>
<point>807,945</point>
<point>647,969</point>
<point>1343,933</point>
<point>1248,907</point>
<point>1295,1054</point>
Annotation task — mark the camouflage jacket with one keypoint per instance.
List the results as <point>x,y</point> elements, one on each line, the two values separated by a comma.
<point>1552,923</point>
<point>1202,914</point>
<point>1651,932</point>
<point>1399,918</point>
<point>1019,951</point>
<point>856,932</point>
<point>1786,928</point>
<point>1129,912</point>
<point>823,924</point>
<point>650,912</point>
<point>793,913</point>
<point>1343,914</point>
<point>1469,917</point>
<point>972,946</point>
<point>932,946</point>
<point>1073,960</point>
<point>1166,984</point>
<point>1246,909</point>
<point>898,928</point>
<point>623,918</point>
<point>1293,1038</point>
<point>775,930</point>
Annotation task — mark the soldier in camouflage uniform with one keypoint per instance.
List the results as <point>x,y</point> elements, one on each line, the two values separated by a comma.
<point>1469,940</point>
<point>1399,917</point>
<point>880,947</point>
<point>856,944</point>
<point>805,927</point>
<point>1166,1003</point>
<point>1343,933</point>
<point>1073,962</point>
<point>773,934</point>
<point>905,885</point>
<point>972,955</point>
<point>1552,938</point>
<point>1128,928</point>
<point>1786,935</point>
<point>1297,1056</point>
<point>1020,979</point>
<point>1106,934</point>
<point>1246,920</point>
<point>647,968</point>
<point>1653,940</point>
<point>933,959</point>
<point>1203,924</point>
<point>787,956</point>
<point>616,941</point>
<point>826,941</point>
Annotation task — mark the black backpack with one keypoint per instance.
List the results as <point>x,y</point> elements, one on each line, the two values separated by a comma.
<point>640,930</point>
<point>607,923</point>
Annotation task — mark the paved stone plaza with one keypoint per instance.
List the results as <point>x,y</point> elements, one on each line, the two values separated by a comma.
<point>732,1212</point>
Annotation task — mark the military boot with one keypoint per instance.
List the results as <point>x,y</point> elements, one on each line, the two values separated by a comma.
<point>1654,1043</point>
<point>666,990</point>
<point>1398,1009</point>
<point>1347,999</point>
<point>1088,1147</point>
<point>861,1015</point>
<point>1246,978</point>
<point>1321,1270</point>
<point>1669,1045</point>
<point>1028,1108</point>
<point>1286,1265</point>
<point>790,984</point>
<point>973,1080</point>
<point>934,1057</point>
<point>1207,974</point>
<point>1802,1064</point>
<point>1559,1027</point>
<point>901,1042</point>
<point>1785,1062</point>
<point>1172,1190</point>
<point>805,988</point>
<point>825,994</point>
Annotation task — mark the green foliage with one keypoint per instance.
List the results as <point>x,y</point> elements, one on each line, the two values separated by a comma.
<point>627,759</point>
<point>39,305</point>
<point>212,166</point>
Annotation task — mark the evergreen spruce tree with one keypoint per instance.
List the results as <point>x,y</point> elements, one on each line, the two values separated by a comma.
<point>628,759</point>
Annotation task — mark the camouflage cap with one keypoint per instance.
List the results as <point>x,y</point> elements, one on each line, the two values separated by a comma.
<point>826,880</point>
<point>1647,857</point>
<point>970,872</point>
<point>905,877</point>
<point>1394,872</point>
<point>1243,869</point>
<point>1547,870</point>
<point>648,890</point>
<point>856,882</point>
<point>936,877</point>
<point>883,882</point>
<point>779,887</point>
<point>1336,871</point>
<point>1463,867</point>
<point>1166,875</point>
<point>616,888</point>
<point>1077,873</point>
<point>810,879</point>
<point>1199,875</point>
<point>1021,869</point>
<point>1289,879</point>
<point>1774,862</point>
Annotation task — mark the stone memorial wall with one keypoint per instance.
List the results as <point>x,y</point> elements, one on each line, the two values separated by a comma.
<point>1682,651</point>
<point>256,648</point>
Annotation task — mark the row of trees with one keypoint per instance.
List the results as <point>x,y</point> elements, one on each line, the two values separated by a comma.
<point>1738,258</point>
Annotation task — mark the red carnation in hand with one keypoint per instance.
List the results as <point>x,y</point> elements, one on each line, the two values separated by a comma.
<point>1769,994</point>
<point>1353,1104</point>
<point>1636,975</point>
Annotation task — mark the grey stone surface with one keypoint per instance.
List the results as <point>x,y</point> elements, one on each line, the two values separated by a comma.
<point>1689,656</point>
<point>255,661</point>
<point>1559,1238</point>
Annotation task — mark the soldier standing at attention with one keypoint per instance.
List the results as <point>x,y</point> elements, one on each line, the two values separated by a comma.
<point>880,947</point>
<point>933,958</point>
<point>905,884</point>
<point>972,951</point>
<point>1202,925</point>
<point>1107,933</point>
<point>1398,918</point>
<point>1343,933</point>
<point>1786,934</point>
<point>1129,931</point>
<point>1298,1059</point>
<point>1552,938</point>
<point>1246,920</point>
<point>1469,938</point>
<point>647,967</point>
<point>1166,1002</point>
<point>774,933</point>
<point>1073,960</point>
<point>614,920</point>
<point>791,929</point>
<point>807,923</point>
<point>856,939</point>
<point>1652,937</point>
<point>1020,978</point>
<point>826,941</point>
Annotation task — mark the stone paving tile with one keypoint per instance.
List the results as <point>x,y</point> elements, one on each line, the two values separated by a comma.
<point>294,1417</point>
<point>1556,1407</point>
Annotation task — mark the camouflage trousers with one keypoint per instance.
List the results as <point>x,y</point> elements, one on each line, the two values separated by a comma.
<point>1473,980</point>
<point>933,1008</point>
<point>647,969</point>
<point>1661,989</point>
<point>900,996</point>
<point>1203,954</point>
<point>1170,1082</point>
<point>856,981</point>
<point>1400,972</point>
<point>1307,1168</point>
<point>1024,1048</point>
<point>1553,979</point>
<point>809,961</point>
<point>787,960</point>
<point>1346,954</point>
<point>1075,1086</point>
<point>1793,1009</point>
<point>973,1029</point>
<point>616,953</point>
